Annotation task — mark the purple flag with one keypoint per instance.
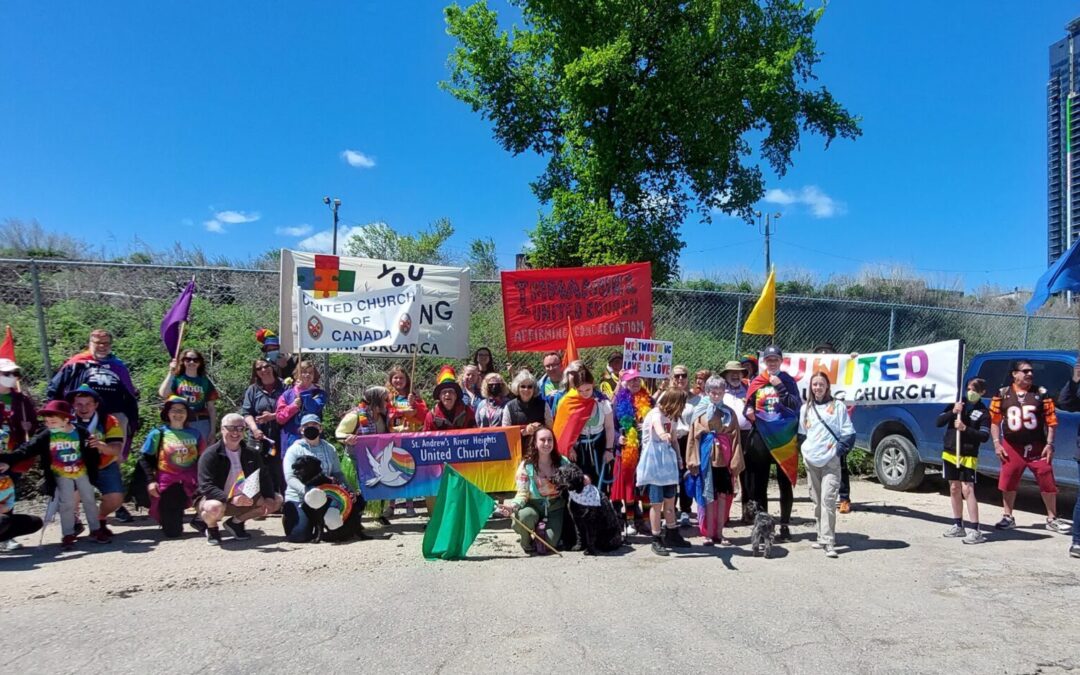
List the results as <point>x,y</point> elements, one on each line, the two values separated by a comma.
<point>170,325</point>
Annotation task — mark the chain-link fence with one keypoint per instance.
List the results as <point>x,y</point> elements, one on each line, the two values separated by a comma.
<point>53,305</point>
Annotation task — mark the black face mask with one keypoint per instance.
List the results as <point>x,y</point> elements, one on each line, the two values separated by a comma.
<point>311,433</point>
<point>495,390</point>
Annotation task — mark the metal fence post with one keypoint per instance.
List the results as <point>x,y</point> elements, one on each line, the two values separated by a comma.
<point>892,326</point>
<point>1027,327</point>
<point>43,338</point>
<point>738,327</point>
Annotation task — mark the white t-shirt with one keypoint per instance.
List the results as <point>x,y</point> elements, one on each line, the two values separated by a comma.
<point>234,469</point>
<point>739,406</point>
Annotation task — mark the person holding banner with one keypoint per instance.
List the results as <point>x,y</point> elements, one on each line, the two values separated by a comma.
<point>826,435</point>
<point>469,384</point>
<point>270,345</point>
<point>490,411</point>
<point>774,396</point>
<point>406,410</point>
<point>450,412</point>
<point>302,399</point>
<point>187,378</point>
<point>224,471</point>
<point>527,409</point>
<point>1023,424</point>
<point>970,421</point>
<point>657,473</point>
<point>370,416</point>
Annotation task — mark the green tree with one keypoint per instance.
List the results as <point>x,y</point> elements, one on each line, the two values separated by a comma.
<point>645,110</point>
<point>381,242</point>
<point>481,259</point>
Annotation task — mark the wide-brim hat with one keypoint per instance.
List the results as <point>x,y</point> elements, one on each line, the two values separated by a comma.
<point>57,408</point>
<point>170,402</point>
<point>732,366</point>
<point>446,379</point>
<point>83,390</point>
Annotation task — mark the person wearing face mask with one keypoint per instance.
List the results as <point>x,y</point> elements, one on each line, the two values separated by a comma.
<point>714,453</point>
<point>270,345</point>
<point>490,411</point>
<point>18,415</point>
<point>297,526</point>
<point>971,419</point>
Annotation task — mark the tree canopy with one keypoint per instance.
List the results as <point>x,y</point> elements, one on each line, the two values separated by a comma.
<point>648,112</point>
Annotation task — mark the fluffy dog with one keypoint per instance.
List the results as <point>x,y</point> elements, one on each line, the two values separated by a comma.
<point>764,531</point>
<point>595,521</point>
<point>327,522</point>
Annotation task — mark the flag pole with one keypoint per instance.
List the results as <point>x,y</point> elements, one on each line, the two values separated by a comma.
<point>180,340</point>
<point>542,540</point>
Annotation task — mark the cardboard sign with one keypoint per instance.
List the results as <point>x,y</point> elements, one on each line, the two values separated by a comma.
<point>652,358</point>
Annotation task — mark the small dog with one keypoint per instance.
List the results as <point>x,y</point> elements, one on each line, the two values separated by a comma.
<point>309,470</point>
<point>764,532</point>
<point>595,522</point>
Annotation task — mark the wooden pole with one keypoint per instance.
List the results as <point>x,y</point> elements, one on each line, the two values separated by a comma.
<point>542,540</point>
<point>180,341</point>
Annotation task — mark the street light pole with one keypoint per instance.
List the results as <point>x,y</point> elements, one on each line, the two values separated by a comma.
<point>334,206</point>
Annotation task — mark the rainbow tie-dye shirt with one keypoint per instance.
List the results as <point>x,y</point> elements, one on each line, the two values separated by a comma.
<point>179,449</point>
<point>7,494</point>
<point>65,454</point>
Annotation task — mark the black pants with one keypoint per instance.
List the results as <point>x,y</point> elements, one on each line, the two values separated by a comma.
<point>272,465</point>
<point>759,462</point>
<point>18,524</point>
<point>686,501</point>
<point>171,510</point>
<point>845,480</point>
<point>590,459</point>
<point>745,484</point>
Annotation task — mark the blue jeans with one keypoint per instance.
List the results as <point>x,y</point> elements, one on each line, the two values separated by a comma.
<point>298,527</point>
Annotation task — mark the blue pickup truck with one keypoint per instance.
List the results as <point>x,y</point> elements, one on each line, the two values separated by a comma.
<point>904,439</point>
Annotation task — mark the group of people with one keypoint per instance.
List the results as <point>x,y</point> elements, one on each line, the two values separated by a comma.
<point>656,448</point>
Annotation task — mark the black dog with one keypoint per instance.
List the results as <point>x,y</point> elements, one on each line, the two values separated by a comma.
<point>595,521</point>
<point>309,470</point>
<point>764,531</point>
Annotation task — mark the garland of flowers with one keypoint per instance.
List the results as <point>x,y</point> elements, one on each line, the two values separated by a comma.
<point>630,410</point>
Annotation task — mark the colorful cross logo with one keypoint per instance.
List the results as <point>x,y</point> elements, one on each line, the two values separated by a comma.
<point>325,280</point>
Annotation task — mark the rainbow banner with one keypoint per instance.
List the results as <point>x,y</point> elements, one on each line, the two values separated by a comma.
<point>404,466</point>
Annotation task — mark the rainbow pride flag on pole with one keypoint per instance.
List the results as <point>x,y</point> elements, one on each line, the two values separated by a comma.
<point>778,427</point>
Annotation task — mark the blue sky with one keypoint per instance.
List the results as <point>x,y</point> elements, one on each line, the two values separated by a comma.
<point>224,124</point>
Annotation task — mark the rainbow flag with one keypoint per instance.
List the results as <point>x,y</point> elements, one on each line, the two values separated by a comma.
<point>778,428</point>
<point>571,415</point>
<point>238,485</point>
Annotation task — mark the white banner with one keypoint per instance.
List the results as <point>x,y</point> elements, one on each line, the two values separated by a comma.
<point>442,318</point>
<point>926,374</point>
<point>355,322</point>
<point>651,358</point>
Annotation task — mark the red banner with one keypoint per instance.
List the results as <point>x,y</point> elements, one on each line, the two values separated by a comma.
<point>604,304</point>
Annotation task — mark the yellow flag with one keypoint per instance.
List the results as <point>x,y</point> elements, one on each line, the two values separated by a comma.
<point>762,319</point>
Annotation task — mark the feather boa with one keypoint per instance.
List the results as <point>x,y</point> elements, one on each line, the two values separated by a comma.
<point>630,411</point>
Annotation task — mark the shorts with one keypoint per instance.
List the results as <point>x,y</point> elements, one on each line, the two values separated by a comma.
<point>230,508</point>
<point>963,474</point>
<point>658,493</point>
<point>1012,470</point>
<point>109,480</point>
<point>722,483</point>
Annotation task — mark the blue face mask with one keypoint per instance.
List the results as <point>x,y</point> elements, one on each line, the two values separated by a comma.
<point>273,355</point>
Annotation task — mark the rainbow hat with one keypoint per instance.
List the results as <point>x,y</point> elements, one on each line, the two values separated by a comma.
<point>446,378</point>
<point>267,338</point>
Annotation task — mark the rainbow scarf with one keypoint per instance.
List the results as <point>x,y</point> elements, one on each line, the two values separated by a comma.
<point>570,417</point>
<point>778,427</point>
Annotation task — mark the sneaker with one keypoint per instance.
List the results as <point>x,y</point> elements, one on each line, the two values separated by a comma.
<point>975,537</point>
<point>785,533</point>
<point>817,545</point>
<point>631,531</point>
<point>122,515</point>
<point>68,542</point>
<point>658,547</point>
<point>410,510</point>
<point>672,539</point>
<point>1058,525</point>
<point>1006,523</point>
<point>106,530</point>
<point>213,536</point>
<point>10,545</point>
<point>236,529</point>
<point>844,506</point>
<point>830,552</point>
<point>1074,550</point>
<point>954,532</point>
<point>684,519</point>
<point>79,528</point>
<point>101,536</point>
<point>198,525</point>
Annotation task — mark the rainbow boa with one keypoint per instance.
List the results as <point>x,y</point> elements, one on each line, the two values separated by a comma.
<point>630,411</point>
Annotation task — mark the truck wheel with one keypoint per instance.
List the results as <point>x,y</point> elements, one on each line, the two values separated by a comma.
<point>897,464</point>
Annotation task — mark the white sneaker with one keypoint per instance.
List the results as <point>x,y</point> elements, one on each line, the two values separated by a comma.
<point>684,519</point>
<point>954,531</point>
<point>1058,525</point>
<point>631,531</point>
<point>10,545</point>
<point>817,545</point>
<point>830,552</point>
<point>974,537</point>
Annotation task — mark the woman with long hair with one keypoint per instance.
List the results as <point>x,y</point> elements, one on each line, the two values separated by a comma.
<point>827,435</point>
<point>305,397</point>
<point>260,402</point>
<point>658,469</point>
<point>484,362</point>
<point>407,410</point>
<point>593,449</point>
<point>187,378</point>
<point>494,392</point>
<point>539,503</point>
<point>370,416</point>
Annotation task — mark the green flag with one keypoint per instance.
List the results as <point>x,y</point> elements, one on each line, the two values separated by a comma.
<point>461,509</point>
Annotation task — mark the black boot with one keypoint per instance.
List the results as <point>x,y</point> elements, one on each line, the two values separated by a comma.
<point>785,534</point>
<point>672,538</point>
<point>658,546</point>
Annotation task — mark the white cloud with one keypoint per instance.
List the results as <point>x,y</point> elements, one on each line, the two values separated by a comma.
<point>237,217</point>
<point>358,159</point>
<point>214,225</point>
<point>323,241</point>
<point>297,231</point>
<point>820,204</point>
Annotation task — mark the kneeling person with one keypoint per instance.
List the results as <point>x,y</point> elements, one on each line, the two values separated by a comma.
<point>223,468</point>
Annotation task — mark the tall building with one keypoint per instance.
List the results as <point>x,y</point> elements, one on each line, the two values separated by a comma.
<point>1062,159</point>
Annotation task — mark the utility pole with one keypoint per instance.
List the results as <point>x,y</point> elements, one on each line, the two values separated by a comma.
<point>768,233</point>
<point>334,205</point>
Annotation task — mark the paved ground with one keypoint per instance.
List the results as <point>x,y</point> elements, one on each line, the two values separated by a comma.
<point>899,599</point>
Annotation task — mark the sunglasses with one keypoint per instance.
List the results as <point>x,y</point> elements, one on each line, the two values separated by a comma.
<point>11,373</point>
<point>188,359</point>
<point>258,368</point>
<point>526,386</point>
<point>1026,371</point>
<point>234,429</point>
<point>680,376</point>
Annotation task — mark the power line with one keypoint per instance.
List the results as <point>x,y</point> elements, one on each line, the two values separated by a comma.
<point>921,269</point>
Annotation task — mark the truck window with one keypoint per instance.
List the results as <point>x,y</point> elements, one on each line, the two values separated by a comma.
<point>1050,375</point>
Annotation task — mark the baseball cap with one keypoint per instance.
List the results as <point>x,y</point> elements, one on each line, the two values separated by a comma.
<point>772,350</point>
<point>310,419</point>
